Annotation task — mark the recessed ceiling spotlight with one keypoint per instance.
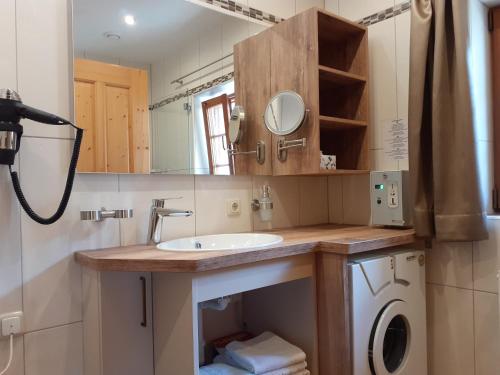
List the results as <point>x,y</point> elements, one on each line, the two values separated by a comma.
<point>129,20</point>
<point>112,36</point>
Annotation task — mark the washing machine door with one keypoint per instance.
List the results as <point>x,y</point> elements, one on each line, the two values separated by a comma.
<point>390,339</point>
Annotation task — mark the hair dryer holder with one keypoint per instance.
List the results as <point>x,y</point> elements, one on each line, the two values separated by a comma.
<point>12,110</point>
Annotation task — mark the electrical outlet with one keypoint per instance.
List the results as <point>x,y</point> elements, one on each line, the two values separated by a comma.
<point>393,195</point>
<point>233,207</point>
<point>11,323</point>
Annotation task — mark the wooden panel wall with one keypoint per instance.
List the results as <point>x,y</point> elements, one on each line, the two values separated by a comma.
<point>252,64</point>
<point>117,129</point>
<point>294,66</point>
<point>334,330</point>
<point>85,114</point>
<point>117,122</point>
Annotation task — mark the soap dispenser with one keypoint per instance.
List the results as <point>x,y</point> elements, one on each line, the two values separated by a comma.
<point>264,205</point>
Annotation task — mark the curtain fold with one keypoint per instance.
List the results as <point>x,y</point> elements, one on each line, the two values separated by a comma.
<point>443,165</point>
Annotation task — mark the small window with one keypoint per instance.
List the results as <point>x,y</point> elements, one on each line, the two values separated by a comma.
<point>216,119</point>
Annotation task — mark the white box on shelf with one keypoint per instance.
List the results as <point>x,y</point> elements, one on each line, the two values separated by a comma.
<point>328,161</point>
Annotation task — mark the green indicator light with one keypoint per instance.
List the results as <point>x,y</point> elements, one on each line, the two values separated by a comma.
<point>379,187</point>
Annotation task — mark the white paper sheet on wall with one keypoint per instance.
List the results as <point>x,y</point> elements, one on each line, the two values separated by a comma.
<point>396,139</point>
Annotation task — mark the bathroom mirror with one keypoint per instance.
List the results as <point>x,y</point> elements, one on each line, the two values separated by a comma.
<point>236,124</point>
<point>154,84</point>
<point>285,113</point>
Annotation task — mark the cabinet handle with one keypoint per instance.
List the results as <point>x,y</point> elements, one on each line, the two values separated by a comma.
<point>144,322</point>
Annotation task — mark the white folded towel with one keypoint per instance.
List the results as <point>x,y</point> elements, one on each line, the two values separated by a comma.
<point>224,358</point>
<point>264,353</point>
<point>222,369</point>
<point>290,370</point>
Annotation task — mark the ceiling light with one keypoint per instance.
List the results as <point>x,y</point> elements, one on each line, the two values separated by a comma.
<point>129,20</point>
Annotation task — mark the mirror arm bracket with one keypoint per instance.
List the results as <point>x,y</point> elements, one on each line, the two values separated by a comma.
<point>260,152</point>
<point>284,145</point>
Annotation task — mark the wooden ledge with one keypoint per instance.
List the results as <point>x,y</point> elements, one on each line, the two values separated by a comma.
<point>337,239</point>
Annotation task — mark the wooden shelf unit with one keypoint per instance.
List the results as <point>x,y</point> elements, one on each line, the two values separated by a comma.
<point>324,58</point>
<point>343,93</point>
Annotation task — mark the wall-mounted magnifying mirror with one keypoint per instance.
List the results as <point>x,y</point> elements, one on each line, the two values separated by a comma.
<point>236,124</point>
<point>285,113</point>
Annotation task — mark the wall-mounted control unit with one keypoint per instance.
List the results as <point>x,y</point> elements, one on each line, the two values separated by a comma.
<point>390,198</point>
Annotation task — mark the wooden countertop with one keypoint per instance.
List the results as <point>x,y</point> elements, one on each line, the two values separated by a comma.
<point>339,239</point>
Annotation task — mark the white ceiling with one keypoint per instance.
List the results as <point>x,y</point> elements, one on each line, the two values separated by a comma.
<point>161,26</point>
<point>491,3</point>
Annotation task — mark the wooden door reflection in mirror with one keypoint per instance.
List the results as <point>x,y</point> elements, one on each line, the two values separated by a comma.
<point>111,104</point>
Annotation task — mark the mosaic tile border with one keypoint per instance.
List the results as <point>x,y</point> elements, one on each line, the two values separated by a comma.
<point>386,14</point>
<point>262,16</point>
<point>193,91</point>
<point>245,10</point>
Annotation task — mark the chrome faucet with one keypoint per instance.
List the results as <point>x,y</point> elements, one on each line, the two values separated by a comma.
<point>158,212</point>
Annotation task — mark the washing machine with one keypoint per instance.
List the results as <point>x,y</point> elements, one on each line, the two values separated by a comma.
<point>388,317</point>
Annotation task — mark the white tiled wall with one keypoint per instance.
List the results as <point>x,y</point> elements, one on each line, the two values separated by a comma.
<point>463,306</point>
<point>210,45</point>
<point>355,10</point>
<point>450,321</point>
<point>43,63</point>
<point>56,351</point>
<point>215,43</point>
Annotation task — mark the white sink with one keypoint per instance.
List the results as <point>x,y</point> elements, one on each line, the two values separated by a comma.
<point>218,242</point>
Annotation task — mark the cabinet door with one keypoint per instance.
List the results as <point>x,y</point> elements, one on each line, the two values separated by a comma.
<point>126,323</point>
<point>111,104</point>
<point>294,66</point>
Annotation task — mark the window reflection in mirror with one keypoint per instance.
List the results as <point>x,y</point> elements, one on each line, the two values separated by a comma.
<point>155,96</point>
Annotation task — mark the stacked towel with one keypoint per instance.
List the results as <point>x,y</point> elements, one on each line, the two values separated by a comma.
<point>223,369</point>
<point>264,353</point>
<point>299,368</point>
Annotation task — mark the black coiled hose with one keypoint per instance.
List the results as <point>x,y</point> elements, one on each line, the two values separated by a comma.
<point>67,190</point>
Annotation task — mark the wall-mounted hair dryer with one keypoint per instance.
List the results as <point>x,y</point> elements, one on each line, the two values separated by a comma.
<point>12,110</point>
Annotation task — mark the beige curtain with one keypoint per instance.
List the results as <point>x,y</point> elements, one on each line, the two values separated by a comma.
<point>443,166</point>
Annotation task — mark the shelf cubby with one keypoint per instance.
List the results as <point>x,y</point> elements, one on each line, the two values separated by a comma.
<point>349,145</point>
<point>341,44</point>
<point>343,99</point>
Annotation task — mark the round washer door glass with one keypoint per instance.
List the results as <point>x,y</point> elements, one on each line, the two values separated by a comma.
<point>390,339</point>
